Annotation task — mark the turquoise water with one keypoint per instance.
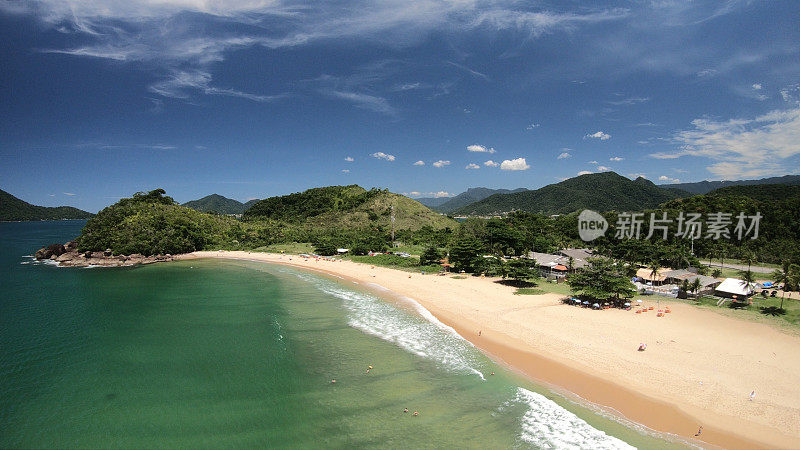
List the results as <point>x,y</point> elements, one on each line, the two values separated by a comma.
<point>242,354</point>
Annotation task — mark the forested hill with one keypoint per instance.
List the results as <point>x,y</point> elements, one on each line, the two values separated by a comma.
<point>12,208</point>
<point>347,206</point>
<point>606,191</point>
<point>761,192</point>
<point>471,196</point>
<point>704,187</point>
<point>216,203</point>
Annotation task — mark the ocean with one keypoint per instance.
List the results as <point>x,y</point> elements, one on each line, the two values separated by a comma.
<point>211,353</point>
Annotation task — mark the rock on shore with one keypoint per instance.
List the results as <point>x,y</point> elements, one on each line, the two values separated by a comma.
<point>67,255</point>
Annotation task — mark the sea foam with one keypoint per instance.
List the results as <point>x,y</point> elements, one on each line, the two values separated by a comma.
<point>545,424</point>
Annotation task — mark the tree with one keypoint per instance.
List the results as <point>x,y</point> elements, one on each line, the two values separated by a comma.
<point>523,270</point>
<point>431,255</point>
<point>464,253</point>
<point>601,280</point>
<point>716,273</point>
<point>570,264</point>
<point>695,286</point>
<point>654,267</point>
<point>789,275</point>
<point>325,248</point>
<point>749,258</point>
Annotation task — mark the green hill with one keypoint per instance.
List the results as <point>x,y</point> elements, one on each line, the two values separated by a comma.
<point>12,209</point>
<point>606,191</point>
<point>216,203</point>
<point>347,207</point>
<point>704,187</point>
<point>761,192</point>
<point>152,223</point>
<point>471,196</point>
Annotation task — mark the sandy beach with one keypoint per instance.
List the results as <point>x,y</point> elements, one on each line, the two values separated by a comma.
<point>699,367</point>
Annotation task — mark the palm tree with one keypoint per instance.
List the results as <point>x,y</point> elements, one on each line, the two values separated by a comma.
<point>747,278</point>
<point>654,267</point>
<point>570,264</point>
<point>716,273</point>
<point>789,275</point>
<point>685,286</point>
<point>695,286</point>
<point>749,258</point>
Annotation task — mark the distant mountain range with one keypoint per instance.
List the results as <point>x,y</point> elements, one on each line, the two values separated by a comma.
<point>216,203</point>
<point>449,204</point>
<point>598,191</point>
<point>13,209</point>
<point>704,187</point>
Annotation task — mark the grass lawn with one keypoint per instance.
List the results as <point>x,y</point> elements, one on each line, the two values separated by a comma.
<point>293,248</point>
<point>410,264</point>
<point>530,291</point>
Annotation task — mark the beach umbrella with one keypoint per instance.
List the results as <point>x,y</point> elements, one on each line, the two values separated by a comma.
<point>627,304</point>
<point>638,301</point>
<point>585,302</point>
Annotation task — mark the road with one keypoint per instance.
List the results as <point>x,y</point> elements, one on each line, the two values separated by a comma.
<point>739,267</point>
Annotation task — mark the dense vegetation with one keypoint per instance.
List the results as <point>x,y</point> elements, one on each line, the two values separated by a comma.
<point>12,208</point>
<point>465,198</point>
<point>152,223</point>
<point>218,204</point>
<point>704,187</point>
<point>606,191</point>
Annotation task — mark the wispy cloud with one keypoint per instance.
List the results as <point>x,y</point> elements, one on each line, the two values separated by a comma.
<point>472,166</point>
<point>668,179</point>
<point>616,158</point>
<point>474,73</point>
<point>491,163</point>
<point>349,159</point>
<point>441,163</point>
<point>584,172</point>
<point>345,170</point>
<point>630,101</point>
<point>419,163</point>
<point>479,149</point>
<point>532,126</point>
<point>385,156</point>
<point>180,83</point>
<point>365,101</point>
<point>68,193</point>
<point>742,147</point>
<point>514,164</point>
<point>564,155</point>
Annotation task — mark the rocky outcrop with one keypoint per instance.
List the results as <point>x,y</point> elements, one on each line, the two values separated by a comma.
<point>67,255</point>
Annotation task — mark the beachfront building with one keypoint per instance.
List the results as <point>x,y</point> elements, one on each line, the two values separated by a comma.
<point>735,288</point>
<point>646,275</point>
<point>678,276</point>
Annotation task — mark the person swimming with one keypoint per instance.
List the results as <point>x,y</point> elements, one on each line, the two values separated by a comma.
<point>405,410</point>
<point>416,413</point>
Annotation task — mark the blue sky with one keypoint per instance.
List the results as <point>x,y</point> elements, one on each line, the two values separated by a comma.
<point>252,98</point>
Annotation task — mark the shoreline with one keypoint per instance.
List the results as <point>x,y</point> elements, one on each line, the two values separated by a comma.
<point>538,359</point>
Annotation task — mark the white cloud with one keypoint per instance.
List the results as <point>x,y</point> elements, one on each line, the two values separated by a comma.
<point>598,135</point>
<point>419,163</point>
<point>532,126</point>
<point>68,193</point>
<point>345,170</point>
<point>668,179</point>
<point>603,169</point>
<point>564,155</point>
<point>479,149</point>
<point>439,194</point>
<point>472,166</point>
<point>616,158</point>
<point>381,155</point>
<point>791,93</point>
<point>742,148</point>
<point>514,164</point>
<point>757,86</point>
<point>636,175</point>
<point>441,163</point>
<point>594,162</point>
<point>584,172</point>
<point>180,83</point>
<point>491,163</point>
<point>349,159</point>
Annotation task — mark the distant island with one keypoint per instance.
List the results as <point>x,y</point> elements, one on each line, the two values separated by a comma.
<point>13,209</point>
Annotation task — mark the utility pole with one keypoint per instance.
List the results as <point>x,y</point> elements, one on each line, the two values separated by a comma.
<point>392,225</point>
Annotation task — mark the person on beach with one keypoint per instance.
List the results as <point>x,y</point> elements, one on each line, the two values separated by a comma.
<point>642,347</point>
<point>752,395</point>
<point>479,332</point>
<point>699,431</point>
